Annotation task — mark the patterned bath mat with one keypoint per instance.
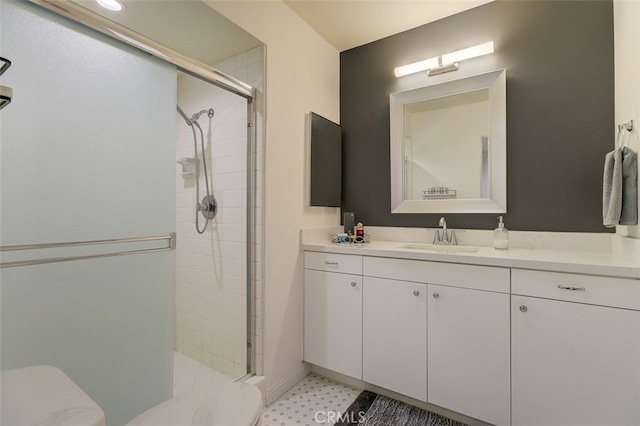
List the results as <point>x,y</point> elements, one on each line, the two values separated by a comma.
<point>371,409</point>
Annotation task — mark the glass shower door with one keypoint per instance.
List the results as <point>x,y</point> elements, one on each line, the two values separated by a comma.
<point>87,153</point>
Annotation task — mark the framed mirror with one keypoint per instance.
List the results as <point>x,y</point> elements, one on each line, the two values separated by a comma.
<point>448,147</point>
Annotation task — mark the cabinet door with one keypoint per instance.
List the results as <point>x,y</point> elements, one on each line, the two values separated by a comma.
<point>574,364</point>
<point>468,364</point>
<point>333,321</point>
<point>395,336</point>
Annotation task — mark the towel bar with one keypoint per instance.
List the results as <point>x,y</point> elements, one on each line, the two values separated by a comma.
<point>170,246</point>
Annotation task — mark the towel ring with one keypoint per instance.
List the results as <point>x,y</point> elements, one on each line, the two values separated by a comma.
<point>619,140</point>
<point>628,126</point>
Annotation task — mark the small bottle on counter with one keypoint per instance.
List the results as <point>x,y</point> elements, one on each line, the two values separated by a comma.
<point>501,236</point>
<point>359,230</point>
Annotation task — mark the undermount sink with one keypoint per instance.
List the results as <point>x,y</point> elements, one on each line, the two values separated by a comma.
<point>439,248</point>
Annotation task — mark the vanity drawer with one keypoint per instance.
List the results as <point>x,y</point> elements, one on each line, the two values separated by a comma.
<point>332,262</point>
<point>605,291</point>
<point>477,277</point>
<point>395,269</point>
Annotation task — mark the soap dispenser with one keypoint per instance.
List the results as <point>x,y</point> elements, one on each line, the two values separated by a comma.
<point>501,236</point>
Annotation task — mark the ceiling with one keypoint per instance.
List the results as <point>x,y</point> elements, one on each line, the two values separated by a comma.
<point>351,23</point>
<point>194,29</point>
<point>187,26</point>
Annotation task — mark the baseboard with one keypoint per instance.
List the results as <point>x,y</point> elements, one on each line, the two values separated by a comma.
<point>276,391</point>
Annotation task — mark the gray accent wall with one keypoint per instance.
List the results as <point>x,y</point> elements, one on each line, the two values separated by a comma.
<point>559,63</point>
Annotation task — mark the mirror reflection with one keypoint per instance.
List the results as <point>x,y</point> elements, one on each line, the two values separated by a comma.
<point>439,133</point>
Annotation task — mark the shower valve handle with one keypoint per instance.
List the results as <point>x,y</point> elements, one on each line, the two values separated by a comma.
<point>208,207</point>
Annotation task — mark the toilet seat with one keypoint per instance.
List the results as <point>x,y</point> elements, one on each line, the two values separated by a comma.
<point>44,395</point>
<point>231,404</point>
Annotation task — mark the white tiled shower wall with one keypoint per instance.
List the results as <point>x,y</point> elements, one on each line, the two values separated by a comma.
<point>210,282</point>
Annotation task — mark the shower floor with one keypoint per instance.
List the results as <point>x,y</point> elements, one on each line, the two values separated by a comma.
<point>189,374</point>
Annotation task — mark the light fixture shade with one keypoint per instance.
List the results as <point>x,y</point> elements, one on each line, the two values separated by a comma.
<point>468,53</point>
<point>442,63</point>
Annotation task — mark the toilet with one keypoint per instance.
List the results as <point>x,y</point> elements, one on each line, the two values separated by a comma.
<point>233,404</point>
<point>43,395</point>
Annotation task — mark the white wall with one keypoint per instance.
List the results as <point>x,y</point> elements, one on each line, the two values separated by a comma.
<point>302,75</point>
<point>626,15</point>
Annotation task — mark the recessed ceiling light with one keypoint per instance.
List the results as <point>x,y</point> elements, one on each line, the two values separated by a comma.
<point>113,5</point>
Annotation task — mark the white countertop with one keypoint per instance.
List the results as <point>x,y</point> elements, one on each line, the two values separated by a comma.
<point>618,259</point>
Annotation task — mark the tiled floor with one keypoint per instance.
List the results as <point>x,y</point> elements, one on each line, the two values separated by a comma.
<point>312,402</point>
<point>190,374</point>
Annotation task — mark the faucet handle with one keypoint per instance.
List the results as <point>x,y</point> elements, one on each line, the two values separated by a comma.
<point>436,237</point>
<point>453,241</point>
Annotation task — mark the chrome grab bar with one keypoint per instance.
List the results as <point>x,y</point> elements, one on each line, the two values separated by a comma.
<point>171,246</point>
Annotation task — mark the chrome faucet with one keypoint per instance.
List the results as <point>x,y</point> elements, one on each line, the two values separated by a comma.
<point>447,238</point>
<point>443,224</point>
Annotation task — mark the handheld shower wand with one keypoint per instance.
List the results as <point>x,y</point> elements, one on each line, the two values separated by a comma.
<point>208,206</point>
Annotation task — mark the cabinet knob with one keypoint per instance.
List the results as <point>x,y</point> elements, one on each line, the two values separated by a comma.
<point>436,295</point>
<point>326,262</point>
<point>416,293</point>
<point>353,284</point>
<point>523,308</point>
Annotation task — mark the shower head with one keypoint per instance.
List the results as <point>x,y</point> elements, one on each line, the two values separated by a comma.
<point>181,112</point>
<point>210,112</point>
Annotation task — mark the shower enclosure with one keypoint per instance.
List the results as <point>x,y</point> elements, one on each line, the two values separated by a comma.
<point>214,257</point>
<point>78,192</point>
<point>217,295</point>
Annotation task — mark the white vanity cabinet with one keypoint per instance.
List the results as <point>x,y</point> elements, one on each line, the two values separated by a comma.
<point>445,326</point>
<point>469,352</point>
<point>333,312</point>
<point>394,336</point>
<point>506,344</point>
<point>575,349</point>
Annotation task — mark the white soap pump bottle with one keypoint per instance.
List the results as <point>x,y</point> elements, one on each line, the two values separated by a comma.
<point>501,236</point>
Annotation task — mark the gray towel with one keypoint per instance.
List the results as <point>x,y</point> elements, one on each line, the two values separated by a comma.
<point>620,188</point>
<point>629,213</point>
<point>612,188</point>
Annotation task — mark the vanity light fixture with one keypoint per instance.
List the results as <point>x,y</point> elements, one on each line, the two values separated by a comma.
<point>113,5</point>
<point>445,63</point>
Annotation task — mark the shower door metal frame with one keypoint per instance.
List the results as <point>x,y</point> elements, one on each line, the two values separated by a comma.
<point>206,73</point>
<point>185,64</point>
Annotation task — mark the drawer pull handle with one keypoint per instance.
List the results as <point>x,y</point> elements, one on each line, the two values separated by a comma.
<point>562,287</point>
<point>326,262</point>
<point>523,308</point>
<point>416,293</point>
<point>353,283</point>
<point>436,295</point>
